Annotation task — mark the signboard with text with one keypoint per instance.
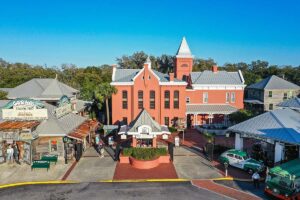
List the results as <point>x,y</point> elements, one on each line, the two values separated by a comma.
<point>64,107</point>
<point>24,109</point>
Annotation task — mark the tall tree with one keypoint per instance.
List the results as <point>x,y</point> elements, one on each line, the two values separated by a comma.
<point>2,95</point>
<point>135,61</point>
<point>104,92</point>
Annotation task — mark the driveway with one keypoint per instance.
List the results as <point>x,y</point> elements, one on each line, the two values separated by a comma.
<point>189,165</point>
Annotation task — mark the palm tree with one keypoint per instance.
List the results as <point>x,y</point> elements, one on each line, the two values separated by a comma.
<point>104,92</point>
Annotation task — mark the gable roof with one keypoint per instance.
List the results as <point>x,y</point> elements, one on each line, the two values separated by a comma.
<point>184,50</point>
<point>54,126</point>
<point>293,103</point>
<point>217,78</point>
<point>41,88</point>
<point>281,125</point>
<point>273,83</point>
<point>144,118</point>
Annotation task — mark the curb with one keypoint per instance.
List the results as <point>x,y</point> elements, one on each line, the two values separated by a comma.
<point>144,180</point>
<point>35,183</point>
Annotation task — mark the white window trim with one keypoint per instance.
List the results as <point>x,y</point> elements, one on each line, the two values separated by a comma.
<point>232,94</point>
<point>203,97</point>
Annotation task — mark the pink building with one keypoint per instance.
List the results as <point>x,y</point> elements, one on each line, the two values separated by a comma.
<point>200,97</point>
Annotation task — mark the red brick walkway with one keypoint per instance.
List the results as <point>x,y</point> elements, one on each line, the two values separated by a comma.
<point>223,190</point>
<point>163,171</point>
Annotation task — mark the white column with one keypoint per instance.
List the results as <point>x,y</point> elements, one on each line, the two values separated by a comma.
<point>239,141</point>
<point>278,152</point>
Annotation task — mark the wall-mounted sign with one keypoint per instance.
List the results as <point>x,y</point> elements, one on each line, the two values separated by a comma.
<point>64,107</point>
<point>123,137</point>
<point>9,135</point>
<point>24,109</point>
<point>26,136</point>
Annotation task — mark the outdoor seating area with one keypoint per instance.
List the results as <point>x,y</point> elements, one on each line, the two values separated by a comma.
<point>50,158</point>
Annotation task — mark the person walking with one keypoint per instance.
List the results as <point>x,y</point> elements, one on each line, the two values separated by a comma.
<point>16,153</point>
<point>10,153</point>
<point>255,178</point>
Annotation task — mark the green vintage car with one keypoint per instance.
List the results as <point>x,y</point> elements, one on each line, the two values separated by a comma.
<point>240,159</point>
<point>283,181</point>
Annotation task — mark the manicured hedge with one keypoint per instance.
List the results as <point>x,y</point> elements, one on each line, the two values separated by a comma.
<point>145,153</point>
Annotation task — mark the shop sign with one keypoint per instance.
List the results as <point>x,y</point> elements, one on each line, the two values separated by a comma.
<point>165,137</point>
<point>144,136</point>
<point>64,107</point>
<point>10,136</point>
<point>26,136</point>
<point>123,137</point>
<point>24,109</point>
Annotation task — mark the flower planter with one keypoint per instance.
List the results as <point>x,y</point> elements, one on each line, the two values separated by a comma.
<point>124,159</point>
<point>149,164</point>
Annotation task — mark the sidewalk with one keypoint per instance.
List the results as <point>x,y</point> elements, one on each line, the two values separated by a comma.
<point>224,190</point>
<point>92,168</point>
<point>14,173</point>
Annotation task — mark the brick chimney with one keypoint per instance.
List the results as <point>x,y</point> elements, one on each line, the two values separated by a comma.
<point>214,68</point>
<point>171,76</point>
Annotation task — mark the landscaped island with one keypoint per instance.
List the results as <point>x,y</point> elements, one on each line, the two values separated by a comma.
<point>145,158</point>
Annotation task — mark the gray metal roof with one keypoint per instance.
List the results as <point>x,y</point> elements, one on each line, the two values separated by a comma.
<point>210,109</point>
<point>291,103</point>
<point>5,89</point>
<point>58,126</point>
<point>184,49</point>
<point>280,125</point>
<point>127,75</point>
<point>144,118</point>
<point>274,83</point>
<point>220,77</point>
<point>42,88</point>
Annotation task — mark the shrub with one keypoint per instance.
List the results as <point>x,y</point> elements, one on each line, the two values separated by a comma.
<point>172,129</point>
<point>145,153</point>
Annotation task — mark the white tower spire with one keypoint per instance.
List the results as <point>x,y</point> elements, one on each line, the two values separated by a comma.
<point>184,50</point>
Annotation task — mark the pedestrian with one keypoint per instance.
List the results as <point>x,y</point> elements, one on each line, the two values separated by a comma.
<point>16,153</point>
<point>101,148</point>
<point>10,153</point>
<point>255,178</point>
<point>97,142</point>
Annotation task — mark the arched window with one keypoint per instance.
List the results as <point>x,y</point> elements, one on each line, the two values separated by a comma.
<point>140,99</point>
<point>167,99</point>
<point>176,99</point>
<point>152,99</point>
<point>124,99</point>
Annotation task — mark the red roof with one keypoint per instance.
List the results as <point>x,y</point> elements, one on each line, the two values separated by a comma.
<point>83,130</point>
<point>18,124</point>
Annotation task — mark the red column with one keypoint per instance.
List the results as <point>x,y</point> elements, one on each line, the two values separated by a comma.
<point>133,142</point>
<point>154,144</point>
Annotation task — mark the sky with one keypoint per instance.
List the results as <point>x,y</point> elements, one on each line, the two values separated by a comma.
<point>95,32</point>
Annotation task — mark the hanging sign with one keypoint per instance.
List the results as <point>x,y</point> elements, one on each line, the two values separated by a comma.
<point>64,107</point>
<point>24,109</point>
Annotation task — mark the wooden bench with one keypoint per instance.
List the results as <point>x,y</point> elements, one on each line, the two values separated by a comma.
<point>50,158</point>
<point>40,164</point>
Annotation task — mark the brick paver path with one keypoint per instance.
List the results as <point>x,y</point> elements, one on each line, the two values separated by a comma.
<point>226,191</point>
<point>163,171</point>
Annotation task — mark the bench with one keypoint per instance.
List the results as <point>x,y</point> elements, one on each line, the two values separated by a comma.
<point>40,164</point>
<point>50,158</point>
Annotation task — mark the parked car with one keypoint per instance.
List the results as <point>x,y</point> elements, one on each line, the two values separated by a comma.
<point>283,181</point>
<point>240,159</point>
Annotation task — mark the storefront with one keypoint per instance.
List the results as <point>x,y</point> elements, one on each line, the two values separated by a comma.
<point>21,118</point>
<point>20,134</point>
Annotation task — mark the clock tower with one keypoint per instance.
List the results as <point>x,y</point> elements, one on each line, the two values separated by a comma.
<point>183,61</point>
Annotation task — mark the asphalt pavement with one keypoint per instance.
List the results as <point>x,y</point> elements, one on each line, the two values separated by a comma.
<point>107,191</point>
